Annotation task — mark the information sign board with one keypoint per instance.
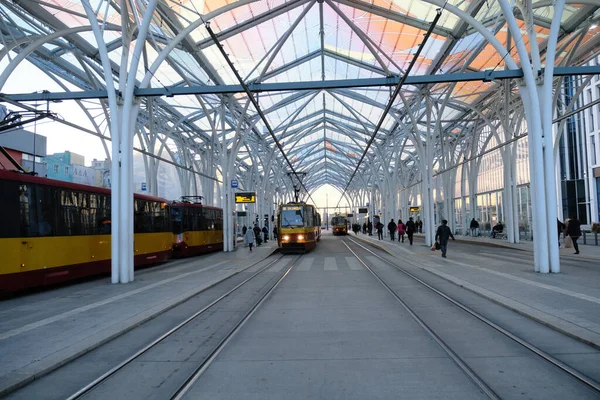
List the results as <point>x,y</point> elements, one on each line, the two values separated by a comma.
<point>234,183</point>
<point>245,197</point>
<point>363,210</point>
<point>415,209</point>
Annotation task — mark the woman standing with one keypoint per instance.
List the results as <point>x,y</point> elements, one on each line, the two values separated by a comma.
<point>400,229</point>
<point>249,238</point>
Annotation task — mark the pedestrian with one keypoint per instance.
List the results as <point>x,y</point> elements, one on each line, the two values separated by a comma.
<point>410,229</point>
<point>474,226</point>
<point>275,232</point>
<point>244,229</point>
<point>574,231</point>
<point>364,227</point>
<point>420,225</point>
<point>370,227</point>
<point>265,232</point>
<point>442,236</point>
<point>400,228</point>
<point>256,231</point>
<point>379,228</point>
<point>498,228</point>
<point>561,228</point>
<point>392,228</point>
<point>249,238</point>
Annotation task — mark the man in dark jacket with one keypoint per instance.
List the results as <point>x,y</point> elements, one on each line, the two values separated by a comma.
<point>379,230</point>
<point>574,230</point>
<point>392,228</point>
<point>256,230</point>
<point>265,232</point>
<point>474,226</point>
<point>442,236</point>
<point>410,229</point>
<point>370,227</point>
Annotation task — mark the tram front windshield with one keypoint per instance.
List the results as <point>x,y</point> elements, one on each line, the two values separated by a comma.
<point>338,221</point>
<point>291,217</point>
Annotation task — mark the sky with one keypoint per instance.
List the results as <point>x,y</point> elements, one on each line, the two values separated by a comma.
<point>28,79</point>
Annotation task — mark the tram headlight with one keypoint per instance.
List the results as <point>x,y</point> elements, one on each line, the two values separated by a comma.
<point>300,237</point>
<point>285,238</point>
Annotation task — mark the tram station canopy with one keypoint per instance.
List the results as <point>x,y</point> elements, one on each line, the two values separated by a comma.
<point>297,47</point>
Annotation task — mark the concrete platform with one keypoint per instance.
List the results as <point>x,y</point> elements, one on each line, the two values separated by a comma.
<point>502,272</point>
<point>39,332</point>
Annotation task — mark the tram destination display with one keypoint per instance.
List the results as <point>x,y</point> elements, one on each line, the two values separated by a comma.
<point>363,210</point>
<point>245,197</point>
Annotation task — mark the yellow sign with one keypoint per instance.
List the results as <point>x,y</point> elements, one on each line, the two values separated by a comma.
<point>245,197</point>
<point>415,209</point>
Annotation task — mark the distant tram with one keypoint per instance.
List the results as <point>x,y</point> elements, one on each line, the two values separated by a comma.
<point>299,227</point>
<point>339,225</point>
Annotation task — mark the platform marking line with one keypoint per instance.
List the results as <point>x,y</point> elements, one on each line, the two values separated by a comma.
<point>353,263</point>
<point>532,283</point>
<point>67,314</point>
<point>306,264</point>
<point>330,264</point>
<point>279,265</point>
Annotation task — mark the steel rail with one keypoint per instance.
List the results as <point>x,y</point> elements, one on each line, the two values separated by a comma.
<point>256,105</point>
<point>591,383</point>
<point>480,383</point>
<point>184,389</point>
<point>90,386</point>
<point>395,94</point>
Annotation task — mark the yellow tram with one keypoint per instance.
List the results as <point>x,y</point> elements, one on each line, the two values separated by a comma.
<point>298,227</point>
<point>339,225</point>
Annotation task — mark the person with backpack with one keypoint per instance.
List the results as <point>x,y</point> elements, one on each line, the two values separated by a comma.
<point>442,236</point>
<point>392,228</point>
<point>400,228</point>
<point>410,229</point>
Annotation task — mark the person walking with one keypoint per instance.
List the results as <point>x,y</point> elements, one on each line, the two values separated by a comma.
<point>265,232</point>
<point>244,229</point>
<point>370,228</point>
<point>256,231</point>
<point>442,236</point>
<point>400,228</point>
<point>474,226</point>
<point>574,231</point>
<point>392,228</point>
<point>561,228</point>
<point>379,228</point>
<point>275,232</point>
<point>249,238</point>
<point>410,229</point>
<point>364,227</point>
<point>420,226</point>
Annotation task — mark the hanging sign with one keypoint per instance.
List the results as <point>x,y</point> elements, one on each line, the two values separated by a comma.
<point>415,209</point>
<point>241,213</point>
<point>245,197</point>
<point>362,210</point>
<point>143,186</point>
<point>234,183</point>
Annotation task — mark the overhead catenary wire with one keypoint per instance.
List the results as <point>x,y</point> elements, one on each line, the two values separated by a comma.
<point>393,98</point>
<point>255,104</point>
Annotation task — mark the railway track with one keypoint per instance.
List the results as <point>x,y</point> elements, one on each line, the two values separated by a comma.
<point>477,380</point>
<point>182,390</point>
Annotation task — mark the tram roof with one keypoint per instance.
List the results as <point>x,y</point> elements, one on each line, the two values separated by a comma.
<point>278,41</point>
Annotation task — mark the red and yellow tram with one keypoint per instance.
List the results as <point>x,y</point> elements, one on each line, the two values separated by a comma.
<point>299,227</point>
<point>54,231</point>
<point>196,228</point>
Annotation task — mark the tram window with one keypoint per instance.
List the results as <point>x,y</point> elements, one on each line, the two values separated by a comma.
<point>176,219</point>
<point>9,204</point>
<point>219,220</point>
